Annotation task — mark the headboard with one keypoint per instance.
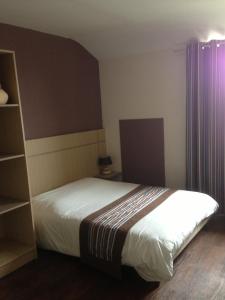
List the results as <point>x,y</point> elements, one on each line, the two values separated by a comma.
<point>58,160</point>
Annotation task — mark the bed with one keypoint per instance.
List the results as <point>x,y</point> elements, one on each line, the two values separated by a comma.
<point>151,245</point>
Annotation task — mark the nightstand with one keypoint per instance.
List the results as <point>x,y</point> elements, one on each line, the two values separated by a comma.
<point>114,176</point>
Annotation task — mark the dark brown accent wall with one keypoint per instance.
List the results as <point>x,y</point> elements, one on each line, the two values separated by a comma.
<point>59,82</point>
<point>142,151</point>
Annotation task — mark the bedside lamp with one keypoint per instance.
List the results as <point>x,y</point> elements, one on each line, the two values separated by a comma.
<point>105,162</point>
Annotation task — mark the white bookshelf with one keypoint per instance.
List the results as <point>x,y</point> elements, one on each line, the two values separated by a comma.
<point>17,243</point>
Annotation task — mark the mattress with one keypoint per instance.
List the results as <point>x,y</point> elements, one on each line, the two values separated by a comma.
<point>151,244</point>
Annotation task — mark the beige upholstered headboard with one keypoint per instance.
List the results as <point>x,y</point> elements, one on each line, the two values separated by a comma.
<point>55,161</point>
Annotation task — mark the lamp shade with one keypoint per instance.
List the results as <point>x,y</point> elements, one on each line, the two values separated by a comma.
<point>105,161</point>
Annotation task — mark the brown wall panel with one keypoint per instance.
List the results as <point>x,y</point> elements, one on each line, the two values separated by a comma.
<point>59,82</point>
<point>142,151</point>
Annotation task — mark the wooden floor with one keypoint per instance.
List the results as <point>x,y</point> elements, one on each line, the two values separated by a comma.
<point>199,274</point>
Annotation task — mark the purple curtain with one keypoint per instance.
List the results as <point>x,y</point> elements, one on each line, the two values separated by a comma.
<point>206,119</point>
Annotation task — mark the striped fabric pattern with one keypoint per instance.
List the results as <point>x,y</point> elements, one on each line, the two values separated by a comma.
<point>104,228</point>
<point>103,233</point>
<point>206,118</point>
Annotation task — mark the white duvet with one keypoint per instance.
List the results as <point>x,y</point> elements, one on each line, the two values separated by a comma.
<point>151,244</point>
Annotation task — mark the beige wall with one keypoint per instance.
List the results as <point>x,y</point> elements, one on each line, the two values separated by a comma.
<point>147,86</point>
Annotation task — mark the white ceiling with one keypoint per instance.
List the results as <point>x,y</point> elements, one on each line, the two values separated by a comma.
<point>112,28</point>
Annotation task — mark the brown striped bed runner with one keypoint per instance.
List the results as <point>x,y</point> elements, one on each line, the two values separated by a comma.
<point>103,233</point>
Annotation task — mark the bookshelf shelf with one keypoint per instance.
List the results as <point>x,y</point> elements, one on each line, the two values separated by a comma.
<point>7,204</point>
<point>4,157</point>
<point>9,105</point>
